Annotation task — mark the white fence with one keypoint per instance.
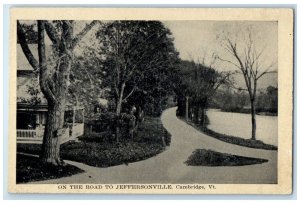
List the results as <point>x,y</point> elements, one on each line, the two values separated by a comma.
<point>29,136</point>
<point>36,136</point>
<point>26,134</point>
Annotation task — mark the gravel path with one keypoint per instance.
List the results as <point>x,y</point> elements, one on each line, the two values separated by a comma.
<point>169,167</point>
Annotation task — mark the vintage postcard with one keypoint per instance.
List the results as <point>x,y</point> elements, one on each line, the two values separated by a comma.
<point>151,100</point>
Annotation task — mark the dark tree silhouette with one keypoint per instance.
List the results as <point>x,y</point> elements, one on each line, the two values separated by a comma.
<point>198,84</point>
<point>135,55</point>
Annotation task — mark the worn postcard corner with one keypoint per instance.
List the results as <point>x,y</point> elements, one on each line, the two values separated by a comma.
<point>151,100</point>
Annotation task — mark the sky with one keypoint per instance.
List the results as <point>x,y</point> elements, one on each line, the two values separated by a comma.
<point>195,37</point>
<point>198,40</point>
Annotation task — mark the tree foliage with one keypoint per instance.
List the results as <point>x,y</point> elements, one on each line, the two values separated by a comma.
<point>228,99</point>
<point>138,59</point>
<point>30,32</point>
<point>198,84</point>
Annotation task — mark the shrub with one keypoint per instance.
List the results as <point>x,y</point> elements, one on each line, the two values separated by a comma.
<point>203,157</point>
<point>102,122</point>
<point>108,117</point>
<point>96,137</point>
<point>107,122</point>
<point>96,149</point>
<point>127,123</point>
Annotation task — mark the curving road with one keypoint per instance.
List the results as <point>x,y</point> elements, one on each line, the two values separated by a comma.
<point>169,167</point>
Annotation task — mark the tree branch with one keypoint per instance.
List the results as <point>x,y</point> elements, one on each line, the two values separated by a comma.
<point>24,45</point>
<point>265,72</point>
<point>79,36</point>
<point>237,88</point>
<point>131,92</point>
<point>242,67</point>
<point>228,61</point>
<point>51,32</point>
<point>42,62</point>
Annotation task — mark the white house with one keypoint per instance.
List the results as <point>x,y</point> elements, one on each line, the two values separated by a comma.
<point>31,117</point>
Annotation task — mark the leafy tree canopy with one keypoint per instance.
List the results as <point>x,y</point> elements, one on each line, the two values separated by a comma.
<point>139,55</point>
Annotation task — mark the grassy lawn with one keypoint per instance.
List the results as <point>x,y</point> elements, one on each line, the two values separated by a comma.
<point>233,140</point>
<point>30,169</point>
<point>99,150</point>
<point>202,157</point>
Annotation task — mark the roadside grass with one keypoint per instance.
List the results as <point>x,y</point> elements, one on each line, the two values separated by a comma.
<point>98,149</point>
<point>257,144</point>
<point>30,169</point>
<point>203,157</point>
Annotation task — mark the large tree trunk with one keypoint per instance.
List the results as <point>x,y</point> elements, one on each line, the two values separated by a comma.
<point>253,120</point>
<point>56,96</point>
<point>55,129</point>
<point>53,134</point>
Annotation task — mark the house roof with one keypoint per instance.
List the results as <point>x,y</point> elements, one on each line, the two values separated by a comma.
<point>22,62</point>
<point>25,75</point>
<point>44,107</point>
<point>27,107</point>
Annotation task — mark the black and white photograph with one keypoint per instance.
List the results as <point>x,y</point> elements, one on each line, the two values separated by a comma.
<point>146,104</point>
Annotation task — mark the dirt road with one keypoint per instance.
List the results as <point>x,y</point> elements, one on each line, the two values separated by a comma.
<point>169,167</point>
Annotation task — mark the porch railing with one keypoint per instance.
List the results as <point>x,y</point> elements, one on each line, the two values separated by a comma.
<point>26,133</point>
<point>36,136</point>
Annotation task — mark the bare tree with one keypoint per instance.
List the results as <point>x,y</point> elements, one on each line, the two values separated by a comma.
<point>54,82</point>
<point>248,63</point>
